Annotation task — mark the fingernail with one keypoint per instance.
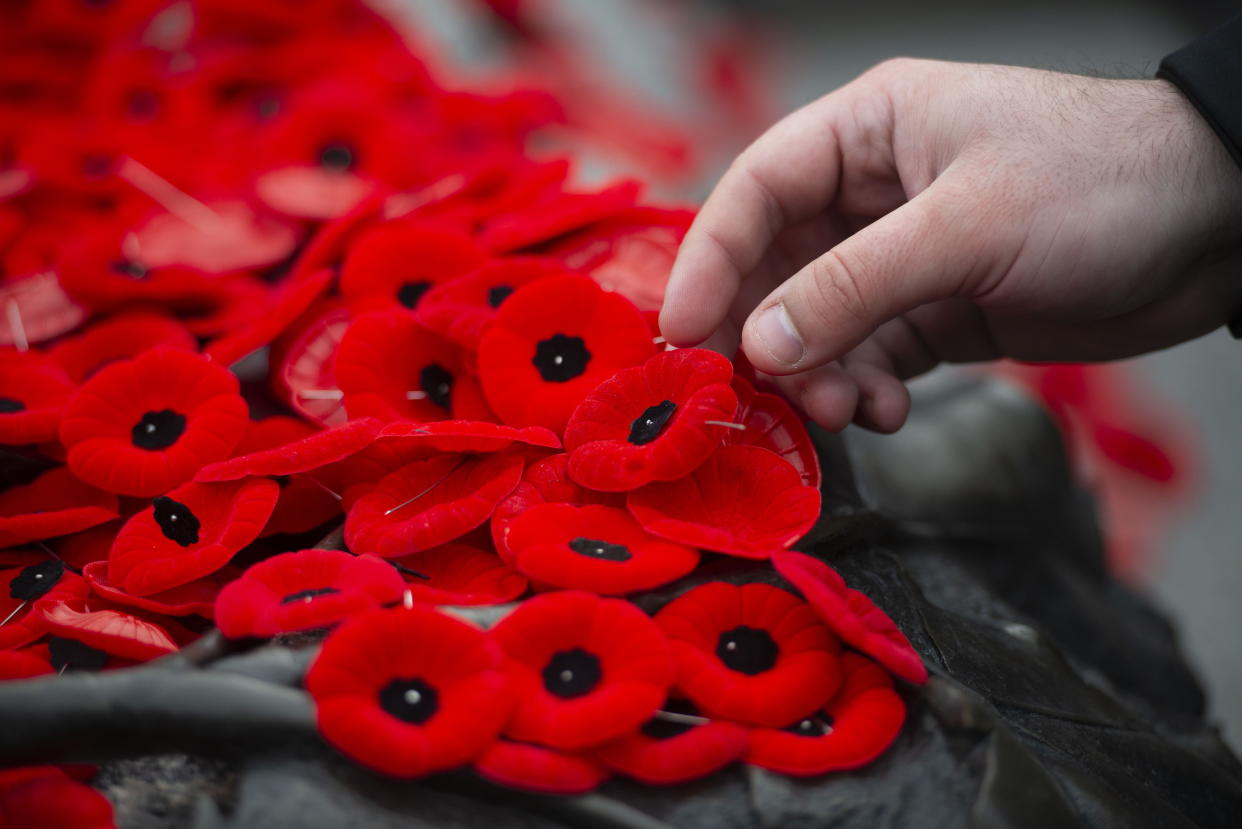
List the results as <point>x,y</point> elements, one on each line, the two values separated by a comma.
<point>779,336</point>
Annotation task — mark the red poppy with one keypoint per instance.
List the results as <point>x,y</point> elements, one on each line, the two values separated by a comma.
<point>584,669</point>
<point>189,533</point>
<point>675,746</point>
<point>392,265</point>
<point>241,302</point>
<point>299,455</point>
<point>119,338</point>
<point>231,237</point>
<point>557,215</point>
<point>752,653</point>
<point>389,366</point>
<point>552,342</point>
<point>22,665</point>
<point>47,798</point>
<point>862,720</point>
<point>851,615</point>
<point>303,364</point>
<point>142,426</point>
<point>596,548</point>
<point>544,482</point>
<point>55,503</point>
<point>743,500</point>
<point>541,769</point>
<point>36,309</point>
<point>35,394</point>
<point>285,303</point>
<point>195,598</point>
<point>22,587</point>
<point>114,631</point>
<point>467,436</point>
<point>654,422</point>
<point>461,309</point>
<point>427,503</point>
<point>82,548</point>
<point>459,574</point>
<point>408,692</point>
<point>772,424</point>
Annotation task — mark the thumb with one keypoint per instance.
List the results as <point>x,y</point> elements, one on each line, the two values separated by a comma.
<point>931,248</point>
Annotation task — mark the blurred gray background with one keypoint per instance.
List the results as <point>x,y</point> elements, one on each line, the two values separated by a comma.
<point>814,47</point>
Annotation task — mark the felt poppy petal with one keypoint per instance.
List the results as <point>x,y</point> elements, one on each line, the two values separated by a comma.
<point>42,309</point>
<point>751,653</point>
<point>142,426</point>
<point>851,614</point>
<point>195,598</point>
<point>743,500</point>
<point>22,665</point>
<point>21,588</point>
<point>52,801</point>
<point>468,435</point>
<point>654,422</point>
<point>552,342</point>
<point>428,503</point>
<point>303,361</point>
<point>556,216</point>
<point>596,548</point>
<point>695,752</point>
<point>302,455</point>
<point>34,392</point>
<point>188,534</point>
<point>55,503</point>
<point>771,423</point>
<point>235,239</point>
<point>303,590</point>
<point>584,669</point>
<point>286,303</point>
<point>121,337</point>
<point>394,264</point>
<point>459,574</point>
<point>535,768</point>
<point>861,721</point>
<point>408,692</point>
<point>113,631</point>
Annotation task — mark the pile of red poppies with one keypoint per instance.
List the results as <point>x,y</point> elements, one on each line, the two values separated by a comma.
<point>264,277</point>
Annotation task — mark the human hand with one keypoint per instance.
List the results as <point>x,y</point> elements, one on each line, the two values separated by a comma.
<point>931,212</point>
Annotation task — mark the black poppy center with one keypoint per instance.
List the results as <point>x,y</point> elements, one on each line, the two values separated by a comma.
<point>572,673</point>
<point>337,157</point>
<point>158,430</point>
<point>8,405</point>
<point>65,654</point>
<point>411,292</point>
<point>813,726</point>
<point>498,294</point>
<point>746,649</point>
<point>35,580</point>
<point>143,103</point>
<point>130,268</point>
<point>560,358</point>
<point>664,727</point>
<point>594,548</point>
<point>648,425</point>
<point>96,166</point>
<point>176,520</point>
<point>409,700</point>
<point>308,595</point>
<point>437,384</point>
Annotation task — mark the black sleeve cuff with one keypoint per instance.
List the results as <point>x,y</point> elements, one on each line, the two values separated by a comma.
<point>1208,71</point>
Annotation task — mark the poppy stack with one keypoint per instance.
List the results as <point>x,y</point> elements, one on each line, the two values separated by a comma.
<point>456,352</point>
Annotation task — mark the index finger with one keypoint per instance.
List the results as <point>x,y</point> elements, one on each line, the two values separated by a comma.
<point>786,176</point>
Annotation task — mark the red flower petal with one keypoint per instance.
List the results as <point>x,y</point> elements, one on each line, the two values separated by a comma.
<point>666,751</point>
<point>459,574</point>
<point>302,455</point>
<point>428,503</point>
<point>460,309</point>
<point>752,653</point>
<point>195,598</point>
<point>304,590</point>
<point>552,342</point>
<point>408,692</point>
<point>189,533</point>
<point>235,238</point>
<point>555,216</point>
<point>861,721</point>
<point>142,426</point>
<point>52,801</point>
<point>654,422</point>
<point>535,768</point>
<point>467,436</point>
<point>853,616</point>
<point>114,631</point>
<point>119,338</point>
<point>55,503</point>
<point>285,304</point>
<point>743,500</point>
<point>22,665</point>
<point>42,309</point>
<point>596,548</point>
<point>772,424</point>
<point>584,669</point>
<point>34,394</point>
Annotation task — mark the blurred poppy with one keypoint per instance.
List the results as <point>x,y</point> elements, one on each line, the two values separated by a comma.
<point>461,308</point>
<point>120,337</point>
<point>535,768</point>
<point>675,746</point>
<point>394,264</point>
<point>460,574</point>
<point>34,392</point>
